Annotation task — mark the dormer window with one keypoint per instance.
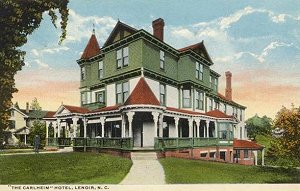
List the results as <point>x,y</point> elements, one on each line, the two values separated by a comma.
<point>199,71</point>
<point>162,59</point>
<point>122,57</point>
<point>82,73</point>
<point>122,92</point>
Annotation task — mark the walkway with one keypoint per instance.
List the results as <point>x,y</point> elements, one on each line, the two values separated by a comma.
<point>145,170</point>
<point>30,152</point>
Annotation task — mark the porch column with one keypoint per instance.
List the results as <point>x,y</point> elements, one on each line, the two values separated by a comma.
<point>123,128</point>
<point>58,128</point>
<point>130,116</point>
<point>54,128</point>
<point>176,119</point>
<point>207,128</point>
<point>190,120</point>
<point>197,120</point>
<point>255,157</point>
<point>263,157</point>
<point>161,134</point>
<point>84,127</point>
<point>74,124</point>
<point>47,131</point>
<point>25,139</point>
<point>102,122</point>
<point>155,119</point>
<point>216,129</point>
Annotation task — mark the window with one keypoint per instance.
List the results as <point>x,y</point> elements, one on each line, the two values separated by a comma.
<point>122,92</point>
<point>199,71</point>
<point>199,100</point>
<point>238,153</point>
<point>210,81</point>
<point>246,154</point>
<point>215,84</point>
<point>83,98</point>
<point>122,57</point>
<point>12,124</point>
<point>100,70</point>
<point>217,105</point>
<point>211,104</point>
<point>100,97</point>
<point>12,113</point>
<point>162,59</point>
<point>225,108</point>
<point>212,154</point>
<point>162,91</point>
<point>82,73</point>
<point>186,98</point>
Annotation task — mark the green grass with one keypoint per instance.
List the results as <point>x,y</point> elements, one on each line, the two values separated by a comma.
<point>63,168</point>
<point>183,171</point>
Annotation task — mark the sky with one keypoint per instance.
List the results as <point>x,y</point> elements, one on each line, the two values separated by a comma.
<point>258,41</point>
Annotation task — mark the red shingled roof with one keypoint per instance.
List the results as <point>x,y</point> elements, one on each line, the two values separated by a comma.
<point>192,47</point>
<point>142,94</point>
<point>91,49</point>
<point>109,108</point>
<point>244,144</point>
<point>50,114</point>
<point>218,114</point>
<point>76,109</point>
<point>184,111</point>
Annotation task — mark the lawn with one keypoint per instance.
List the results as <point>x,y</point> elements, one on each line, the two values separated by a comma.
<point>63,168</point>
<point>183,171</point>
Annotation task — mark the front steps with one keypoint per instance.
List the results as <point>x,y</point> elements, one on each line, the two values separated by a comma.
<point>143,156</point>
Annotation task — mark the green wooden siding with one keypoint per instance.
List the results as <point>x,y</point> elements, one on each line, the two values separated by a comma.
<point>110,64</point>
<point>187,71</point>
<point>151,60</point>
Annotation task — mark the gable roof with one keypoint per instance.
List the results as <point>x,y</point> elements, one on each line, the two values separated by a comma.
<point>245,144</point>
<point>92,48</point>
<point>50,114</point>
<point>34,113</point>
<point>142,94</point>
<point>218,114</point>
<point>76,109</point>
<point>199,48</point>
<point>119,27</point>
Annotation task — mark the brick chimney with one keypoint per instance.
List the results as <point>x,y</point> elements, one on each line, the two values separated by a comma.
<point>228,90</point>
<point>158,28</point>
<point>27,107</point>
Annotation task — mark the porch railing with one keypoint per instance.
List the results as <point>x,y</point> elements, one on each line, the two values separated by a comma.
<point>171,143</point>
<point>60,141</point>
<point>52,141</point>
<point>118,143</point>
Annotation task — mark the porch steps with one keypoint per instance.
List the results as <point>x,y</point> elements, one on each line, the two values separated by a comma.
<point>143,156</point>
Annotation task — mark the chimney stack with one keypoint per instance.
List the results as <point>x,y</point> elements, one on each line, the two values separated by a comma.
<point>27,107</point>
<point>158,28</point>
<point>228,90</point>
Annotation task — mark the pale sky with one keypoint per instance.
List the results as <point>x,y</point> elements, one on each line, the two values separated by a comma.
<point>258,41</point>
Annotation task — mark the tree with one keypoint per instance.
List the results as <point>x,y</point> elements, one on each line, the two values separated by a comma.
<point>258,126</point>
<point>38,128</point>
<point>18,19</point>
<point>288,143</point>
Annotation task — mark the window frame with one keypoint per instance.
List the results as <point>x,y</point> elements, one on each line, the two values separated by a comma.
<point>162,60</point>
<point>199,71</point>
<point>162,95</point>
<point>184,98</point>
<point>82,73</point>
<point>122,95</point>
<point>83,98</point>
<point>122,56</point>
<point>211,103</point>
<point>199,99</point>
<point>101,70</point>
<point>97,96</point>
<point>246,157</point>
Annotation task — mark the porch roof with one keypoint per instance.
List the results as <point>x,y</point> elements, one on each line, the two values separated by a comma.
<point>76,109</point>
<point>103,109</point>
<point>184,111</point>
<point>245,144</point>
<point>218,114</point>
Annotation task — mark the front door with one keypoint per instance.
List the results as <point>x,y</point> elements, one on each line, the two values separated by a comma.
<point>137,133</point>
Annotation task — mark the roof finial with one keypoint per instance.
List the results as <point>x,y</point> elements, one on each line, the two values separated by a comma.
<point>93,28</point>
